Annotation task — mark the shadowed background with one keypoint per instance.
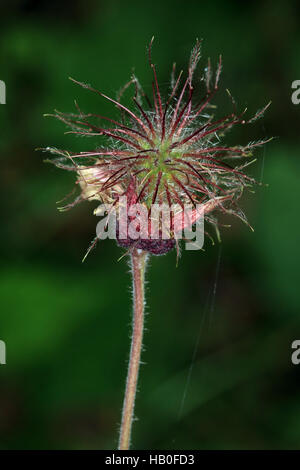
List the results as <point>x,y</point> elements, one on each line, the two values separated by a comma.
<point>218,371</point>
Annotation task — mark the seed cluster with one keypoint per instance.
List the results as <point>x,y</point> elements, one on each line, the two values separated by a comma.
<point>170,149</point>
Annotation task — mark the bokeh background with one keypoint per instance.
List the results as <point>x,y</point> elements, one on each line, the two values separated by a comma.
<point>218,371</point>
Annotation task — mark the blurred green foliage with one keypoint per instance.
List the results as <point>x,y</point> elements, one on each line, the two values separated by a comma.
<point>218,372</point>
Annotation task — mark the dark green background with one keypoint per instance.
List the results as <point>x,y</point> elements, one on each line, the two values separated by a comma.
<point>67,324</point>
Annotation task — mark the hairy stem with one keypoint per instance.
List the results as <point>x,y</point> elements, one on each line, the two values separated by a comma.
<point>138,264</point>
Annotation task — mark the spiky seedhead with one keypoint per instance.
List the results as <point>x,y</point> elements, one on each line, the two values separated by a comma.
<point>169,150</point>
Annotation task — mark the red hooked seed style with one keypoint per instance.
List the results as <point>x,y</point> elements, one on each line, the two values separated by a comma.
<point>165,150</point>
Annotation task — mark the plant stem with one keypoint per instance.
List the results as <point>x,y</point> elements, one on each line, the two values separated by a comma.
<point>138,264</point>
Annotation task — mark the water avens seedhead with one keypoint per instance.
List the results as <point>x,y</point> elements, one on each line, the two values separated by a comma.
<point>163,150</point>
